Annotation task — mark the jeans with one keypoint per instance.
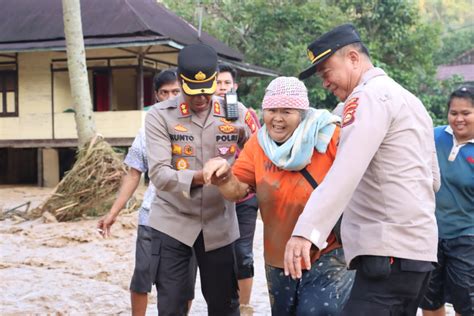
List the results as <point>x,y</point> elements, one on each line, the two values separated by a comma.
<point>323,290</point>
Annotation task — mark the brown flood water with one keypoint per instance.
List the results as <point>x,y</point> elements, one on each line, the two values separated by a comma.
<point>67,268</point>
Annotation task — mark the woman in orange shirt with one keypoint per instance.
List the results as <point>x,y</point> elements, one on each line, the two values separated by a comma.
<point>282,163</point>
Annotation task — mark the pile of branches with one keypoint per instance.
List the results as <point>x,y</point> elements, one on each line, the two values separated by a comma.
<point>89,187</point>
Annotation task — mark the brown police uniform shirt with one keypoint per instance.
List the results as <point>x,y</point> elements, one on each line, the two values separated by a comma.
<point>384,177</point>
<point>178,144</point>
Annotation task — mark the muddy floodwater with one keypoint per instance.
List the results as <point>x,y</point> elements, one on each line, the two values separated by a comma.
<point>67,268</point>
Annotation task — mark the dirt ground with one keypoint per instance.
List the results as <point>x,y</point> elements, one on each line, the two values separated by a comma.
<point>67,268</point>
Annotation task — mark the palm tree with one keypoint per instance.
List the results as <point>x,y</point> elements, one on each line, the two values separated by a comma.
<point>76,61</point>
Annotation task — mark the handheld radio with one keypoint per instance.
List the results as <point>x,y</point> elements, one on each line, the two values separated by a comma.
<point>231,106</point>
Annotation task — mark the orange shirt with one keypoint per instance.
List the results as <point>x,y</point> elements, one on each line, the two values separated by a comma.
<point>282,194</point>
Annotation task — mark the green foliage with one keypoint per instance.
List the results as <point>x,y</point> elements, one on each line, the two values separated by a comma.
<point>435,96</point>
<point>401,43</point>
<point>275,33</point>
<point>454,44</point>
<point>457,19</point>
<point>453,14</point>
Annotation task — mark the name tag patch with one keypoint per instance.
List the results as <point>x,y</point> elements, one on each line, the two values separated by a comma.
<point>181,138</point>
<point>226,138</point>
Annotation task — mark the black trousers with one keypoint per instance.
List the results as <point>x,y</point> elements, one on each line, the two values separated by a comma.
<point>218,271</point>
<point>386,286</point>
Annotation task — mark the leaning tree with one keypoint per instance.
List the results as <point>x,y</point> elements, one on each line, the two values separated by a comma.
<point>96,175</point>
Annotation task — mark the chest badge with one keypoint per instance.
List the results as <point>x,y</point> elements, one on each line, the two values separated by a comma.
<point>188,150</point>
<point>349,111</point>
<point>182,164</point>
<point>470,159</point>
<point>184,109</point>
<point>180,128</point>
<point>176,149</point>
<point>223,150</point>
<point>227,129</point>
<point>225,121</point>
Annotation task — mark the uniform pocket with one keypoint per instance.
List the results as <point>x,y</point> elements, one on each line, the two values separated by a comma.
<point>375,267</point>
<point>416,266</point>
<point>155,258</point>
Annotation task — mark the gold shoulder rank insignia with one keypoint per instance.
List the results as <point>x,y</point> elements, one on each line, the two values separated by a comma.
<point>217,108</point>
<point>250,122</point>
<point>184,109</point>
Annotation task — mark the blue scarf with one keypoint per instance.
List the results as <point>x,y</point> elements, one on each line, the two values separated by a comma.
<point>314,132</point>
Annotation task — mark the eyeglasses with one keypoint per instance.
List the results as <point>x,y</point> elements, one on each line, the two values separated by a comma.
<point>164,92</point>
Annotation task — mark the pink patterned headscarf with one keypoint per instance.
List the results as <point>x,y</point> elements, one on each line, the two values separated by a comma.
<point>286,92</point>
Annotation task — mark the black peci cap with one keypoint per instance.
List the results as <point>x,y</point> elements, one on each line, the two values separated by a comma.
<point>327,44</point>
<point>197,69</point>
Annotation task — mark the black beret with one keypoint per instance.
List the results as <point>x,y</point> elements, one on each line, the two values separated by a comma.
<point>197,69</point>
<point>327,44</point>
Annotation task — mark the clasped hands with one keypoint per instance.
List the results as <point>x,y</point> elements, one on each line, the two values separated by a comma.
<point>216,171</point>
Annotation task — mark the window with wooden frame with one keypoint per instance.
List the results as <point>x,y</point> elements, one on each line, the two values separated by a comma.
<point>8,91</point>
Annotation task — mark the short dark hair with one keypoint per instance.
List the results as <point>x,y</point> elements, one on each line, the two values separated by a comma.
<point>227,68</point>
<point>165,77</point>
<point>464,92</point>
<point>358,46</point>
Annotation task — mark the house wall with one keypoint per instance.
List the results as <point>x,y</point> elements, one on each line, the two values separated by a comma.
<point>35,99</point>
<point>109,124</point>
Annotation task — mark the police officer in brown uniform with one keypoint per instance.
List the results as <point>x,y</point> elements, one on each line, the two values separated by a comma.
<point>182,134</point>
<point>383,179</point>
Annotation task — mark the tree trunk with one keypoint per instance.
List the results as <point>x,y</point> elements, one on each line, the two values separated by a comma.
<point>78,78</point>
